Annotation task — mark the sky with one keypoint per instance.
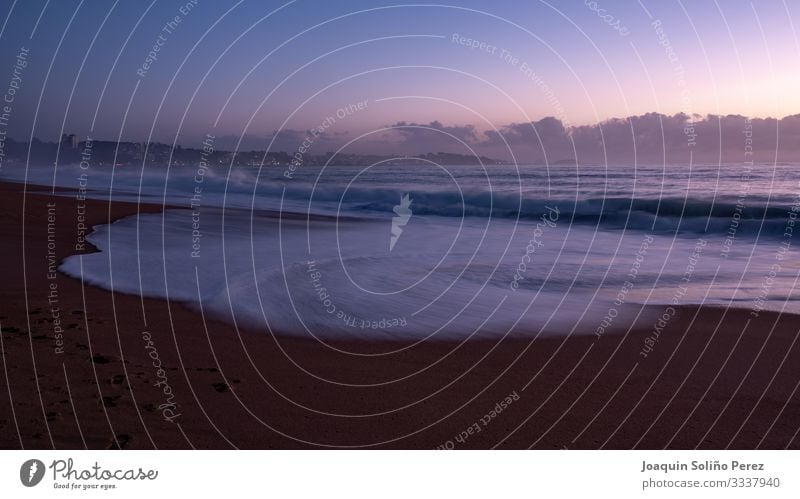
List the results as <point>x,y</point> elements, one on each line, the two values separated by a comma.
<point>387,76</point>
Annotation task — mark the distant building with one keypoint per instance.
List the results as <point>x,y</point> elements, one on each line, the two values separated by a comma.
<point>69,141</point>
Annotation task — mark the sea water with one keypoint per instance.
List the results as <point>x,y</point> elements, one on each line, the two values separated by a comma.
<point>445,252</point>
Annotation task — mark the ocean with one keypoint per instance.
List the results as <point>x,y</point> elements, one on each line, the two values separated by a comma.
<point>422,252</point>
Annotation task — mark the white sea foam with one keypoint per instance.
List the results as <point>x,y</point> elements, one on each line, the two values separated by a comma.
<point>475,258</point>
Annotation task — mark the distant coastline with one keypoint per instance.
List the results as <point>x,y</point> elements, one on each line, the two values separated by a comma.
<point>106,153</point>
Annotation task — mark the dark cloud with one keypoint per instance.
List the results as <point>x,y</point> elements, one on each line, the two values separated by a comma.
<point>651,138</point>
<point>538,140</point>
<point>416,138</point>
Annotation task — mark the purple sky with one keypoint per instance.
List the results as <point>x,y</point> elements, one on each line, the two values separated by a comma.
<point>470,72</point>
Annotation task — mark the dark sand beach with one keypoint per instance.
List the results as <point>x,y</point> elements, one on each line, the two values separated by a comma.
<point>715,378</point>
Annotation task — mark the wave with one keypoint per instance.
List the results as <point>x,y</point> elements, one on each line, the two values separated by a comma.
<point>590,199</point>
<point>679,215</point>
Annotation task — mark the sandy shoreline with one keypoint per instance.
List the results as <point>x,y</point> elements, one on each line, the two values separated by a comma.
<point>713,379</point>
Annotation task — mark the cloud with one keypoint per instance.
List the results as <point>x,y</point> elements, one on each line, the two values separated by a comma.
<point>647,138</point>
<point>652,137</point>
<point>541,139</point>
<point>416,138</point>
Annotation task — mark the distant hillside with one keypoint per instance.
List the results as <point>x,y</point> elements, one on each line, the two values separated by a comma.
<point>106,153</point>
